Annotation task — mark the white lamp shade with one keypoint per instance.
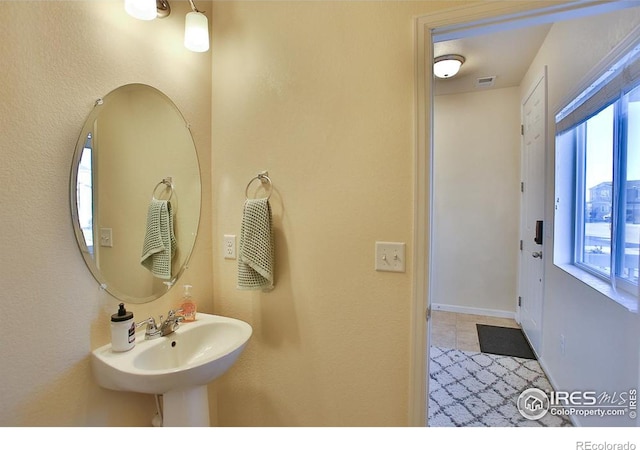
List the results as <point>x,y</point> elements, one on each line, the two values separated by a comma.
<point>446,68</point>
<point>196,32</point>
<point>141,9</point>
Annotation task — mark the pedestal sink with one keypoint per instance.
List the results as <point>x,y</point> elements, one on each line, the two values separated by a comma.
<point>179,366</point>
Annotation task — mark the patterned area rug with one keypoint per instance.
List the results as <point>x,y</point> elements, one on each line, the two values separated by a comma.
<point>470,389</point>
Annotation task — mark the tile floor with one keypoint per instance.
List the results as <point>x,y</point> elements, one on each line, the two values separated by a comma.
<point>458,331</point>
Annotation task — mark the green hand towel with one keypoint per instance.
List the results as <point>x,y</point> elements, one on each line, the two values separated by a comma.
<point>159,242</point>
<point>256,250</point>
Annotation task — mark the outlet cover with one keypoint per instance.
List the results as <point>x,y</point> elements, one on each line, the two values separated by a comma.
<point>390,256</point>
<point>229,246</point>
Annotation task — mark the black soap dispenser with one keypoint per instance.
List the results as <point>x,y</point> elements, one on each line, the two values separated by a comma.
<point>123,330</point>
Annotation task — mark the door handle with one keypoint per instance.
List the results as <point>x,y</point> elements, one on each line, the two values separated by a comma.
<point>537,255</point>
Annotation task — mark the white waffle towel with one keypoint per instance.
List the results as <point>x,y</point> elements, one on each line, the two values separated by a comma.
<point>256,251</point>
<point>159,242</point>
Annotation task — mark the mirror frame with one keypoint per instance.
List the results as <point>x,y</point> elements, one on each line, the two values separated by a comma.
<point>82,245</point>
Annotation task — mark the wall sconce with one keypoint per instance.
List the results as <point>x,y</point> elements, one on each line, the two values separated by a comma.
<point>196,30</point>
<point>147,9</point>
<point>446,66</point>
<point>196,25</point>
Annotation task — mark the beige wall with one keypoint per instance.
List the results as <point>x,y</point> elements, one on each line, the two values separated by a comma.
<point>57,59</point>
<point>321,94</point>
<point>476,201</point>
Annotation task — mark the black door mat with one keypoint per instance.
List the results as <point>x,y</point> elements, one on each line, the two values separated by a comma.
<point>504,341</point>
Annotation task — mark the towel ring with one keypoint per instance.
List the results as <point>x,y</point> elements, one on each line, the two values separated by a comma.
<point>168,183</point>
<point>264,179</point>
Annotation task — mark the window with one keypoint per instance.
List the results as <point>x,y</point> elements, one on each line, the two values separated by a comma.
<point>594,191</point>
<point>598,144</point>
<point>608,174</point>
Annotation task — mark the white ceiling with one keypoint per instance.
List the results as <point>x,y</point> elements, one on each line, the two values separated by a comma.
<point>506,55</point>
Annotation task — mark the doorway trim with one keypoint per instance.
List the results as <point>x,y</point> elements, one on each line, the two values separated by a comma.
<point>461,21</point>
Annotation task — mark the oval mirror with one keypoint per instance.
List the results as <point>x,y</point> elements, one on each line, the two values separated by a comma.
<point>135,193</point>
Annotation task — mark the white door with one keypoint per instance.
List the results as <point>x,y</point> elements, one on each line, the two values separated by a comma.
<point>532,214</point>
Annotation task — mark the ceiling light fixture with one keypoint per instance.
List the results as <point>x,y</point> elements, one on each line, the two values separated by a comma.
<point>446,66</point>
<point>196,25</point>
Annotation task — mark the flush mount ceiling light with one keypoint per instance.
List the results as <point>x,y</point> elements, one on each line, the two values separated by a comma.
<point>446,66</point>
<point>196,26</point>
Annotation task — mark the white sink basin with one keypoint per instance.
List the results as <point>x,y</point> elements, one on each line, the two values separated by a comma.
<point>179,365</point>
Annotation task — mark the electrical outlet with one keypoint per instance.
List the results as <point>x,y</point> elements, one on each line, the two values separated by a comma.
<point>390,256</point>
<point>229,246</point>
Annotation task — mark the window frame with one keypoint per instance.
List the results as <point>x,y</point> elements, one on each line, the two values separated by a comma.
<point>570,138</point>
<point>618,200</point>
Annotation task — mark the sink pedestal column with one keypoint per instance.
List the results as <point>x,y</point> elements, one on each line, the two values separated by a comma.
<point>188,407</point>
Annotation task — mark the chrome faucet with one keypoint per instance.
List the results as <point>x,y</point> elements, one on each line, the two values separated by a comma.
<point>166,327</point>
<point>152,331</point>
<point>172,322</point>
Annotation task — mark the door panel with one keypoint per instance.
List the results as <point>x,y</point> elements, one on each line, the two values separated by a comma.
<point>532,256</point>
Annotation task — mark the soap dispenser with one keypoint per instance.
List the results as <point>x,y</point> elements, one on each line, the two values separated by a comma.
<point>188,305</point>
<point>123,330</point>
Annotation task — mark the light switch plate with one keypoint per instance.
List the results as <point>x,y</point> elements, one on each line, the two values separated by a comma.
<point>106,237</point>
<point>390,256</point>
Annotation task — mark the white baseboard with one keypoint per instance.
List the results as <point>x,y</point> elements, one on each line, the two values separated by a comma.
<point>476,311</point>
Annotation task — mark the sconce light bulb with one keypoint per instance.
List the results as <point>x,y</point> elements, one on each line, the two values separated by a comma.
<point>196,32</point>
<point>141,9</point>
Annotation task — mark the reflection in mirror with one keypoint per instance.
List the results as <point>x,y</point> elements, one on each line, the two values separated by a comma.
<point>85,195</point>
<point>135,152</point>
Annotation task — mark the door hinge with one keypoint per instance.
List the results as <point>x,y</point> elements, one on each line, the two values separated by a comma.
<point>522,186</point>
<point>427,313</point>
<point>521,129</point>
<point>521,245</point>
<point>519,301</point>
